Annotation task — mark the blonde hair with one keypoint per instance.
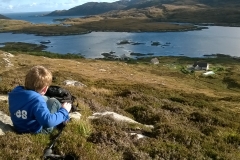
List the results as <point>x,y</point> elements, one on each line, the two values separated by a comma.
<point>37,78</point>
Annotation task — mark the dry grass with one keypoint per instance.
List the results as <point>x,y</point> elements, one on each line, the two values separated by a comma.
<point>172,7</point>
<point>73,21</point>
<point>114,71</point>
<point>6,24</point>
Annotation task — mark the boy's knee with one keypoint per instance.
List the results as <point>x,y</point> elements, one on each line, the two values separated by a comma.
<point>53,105</point>
<point>52,100</point>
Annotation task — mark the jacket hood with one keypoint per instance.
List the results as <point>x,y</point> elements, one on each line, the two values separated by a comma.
<point>22,96</point>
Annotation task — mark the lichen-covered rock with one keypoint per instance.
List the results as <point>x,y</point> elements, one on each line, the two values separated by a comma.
<point>5,123</point>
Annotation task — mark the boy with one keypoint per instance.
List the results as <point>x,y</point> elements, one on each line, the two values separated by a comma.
<point>30,110</point>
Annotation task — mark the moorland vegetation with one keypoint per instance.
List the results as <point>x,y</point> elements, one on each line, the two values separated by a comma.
<point>194,116</point>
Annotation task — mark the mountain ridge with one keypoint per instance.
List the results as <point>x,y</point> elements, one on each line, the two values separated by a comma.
<point>188,11</point>
<point>94,8</point>
<point>90,8</point>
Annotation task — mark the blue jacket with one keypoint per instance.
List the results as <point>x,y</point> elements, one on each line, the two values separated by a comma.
<point>29,112</point>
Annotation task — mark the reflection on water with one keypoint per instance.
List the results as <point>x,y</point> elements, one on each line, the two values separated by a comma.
<point>224,40</point>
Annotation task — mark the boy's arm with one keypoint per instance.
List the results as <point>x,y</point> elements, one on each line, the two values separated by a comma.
<point>67,106</point>
<point>46,119</point>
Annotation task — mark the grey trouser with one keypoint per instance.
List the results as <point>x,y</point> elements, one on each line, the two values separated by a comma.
<point>53,105</point>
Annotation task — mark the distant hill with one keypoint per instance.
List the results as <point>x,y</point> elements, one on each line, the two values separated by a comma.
<point>3,17</point>
<point>90,8</point>
<point>94,8</point>
<point>193,11</point>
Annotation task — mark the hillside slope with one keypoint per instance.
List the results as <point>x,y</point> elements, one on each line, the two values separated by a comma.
<point>93,8</point>
<point>193,116</point>
<point>3,17</point>
<point>90,8</point>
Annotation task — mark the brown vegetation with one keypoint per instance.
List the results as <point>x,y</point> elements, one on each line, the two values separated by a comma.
<point>194,116</point>
<point>134,25</point>
<point>86,25</point>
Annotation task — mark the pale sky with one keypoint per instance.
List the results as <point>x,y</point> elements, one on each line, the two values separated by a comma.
<point>8,6</point>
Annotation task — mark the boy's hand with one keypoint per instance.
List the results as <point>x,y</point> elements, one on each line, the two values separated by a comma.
<point>67,106</point>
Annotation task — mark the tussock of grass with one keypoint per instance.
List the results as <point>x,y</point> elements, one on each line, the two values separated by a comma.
<point>194,117</point>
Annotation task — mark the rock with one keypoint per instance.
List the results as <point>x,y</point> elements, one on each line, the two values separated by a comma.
<point>45,42</point>
<point>116,117</point>
<point>154,61</point>
<point>5,123</point>
<point>6,59</point>
<point>3,97</point>
<point>73,83</point>
<point>124,57</point>
<point>138,136</point>
<point>123,42</point>
<point>75,115</point>
<point>137,43</point>
<point>208,73</point>
<point>7,62</point>
<point>155,43</point>
<point>7,54</point>
<point>102,70</point>
<point>137,54</point>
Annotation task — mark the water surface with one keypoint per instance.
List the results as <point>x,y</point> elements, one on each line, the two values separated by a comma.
<point>215,39</point>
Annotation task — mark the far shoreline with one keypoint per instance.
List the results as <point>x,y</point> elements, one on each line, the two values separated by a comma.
<point>87,32</point>
<point>113,25</point>
<point>38,50</point>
